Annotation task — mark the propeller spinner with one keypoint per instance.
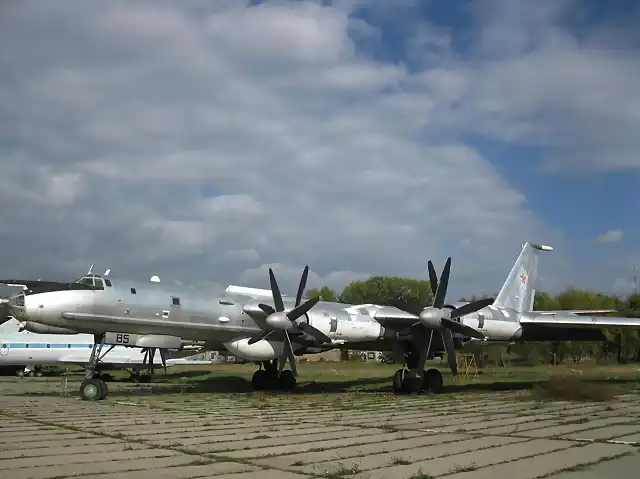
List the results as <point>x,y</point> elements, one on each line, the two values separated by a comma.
<point>279,320</point>
<point>442,316</point>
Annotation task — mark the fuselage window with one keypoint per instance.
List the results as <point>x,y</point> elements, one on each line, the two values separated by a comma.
<point>175,301</point>
<point>133,290</point>
<point>69,346</point>
<point>48,346</point>
<point>107,282</point>
<point>26,346</point>
<point>5,346</point>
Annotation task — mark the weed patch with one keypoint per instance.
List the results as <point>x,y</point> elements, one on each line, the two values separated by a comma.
<point>570,388</point>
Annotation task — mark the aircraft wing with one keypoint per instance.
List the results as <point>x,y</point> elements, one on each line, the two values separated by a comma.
<point>579,312</point>
<point>566,319</point>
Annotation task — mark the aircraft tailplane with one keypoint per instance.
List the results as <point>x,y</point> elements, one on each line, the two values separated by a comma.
<point>518,290</point>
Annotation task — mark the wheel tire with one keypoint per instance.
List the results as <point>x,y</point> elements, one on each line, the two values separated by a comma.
<point>260,380</point>
<point>433,381</point>
<point>413,382</point>
<point>104,390</point>
<point>31,374</point>
<point>397,382</point>
<point>287,380</point>
<point>91,390</point>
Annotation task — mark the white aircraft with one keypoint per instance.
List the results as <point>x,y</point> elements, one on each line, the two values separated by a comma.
<point>26,352</point>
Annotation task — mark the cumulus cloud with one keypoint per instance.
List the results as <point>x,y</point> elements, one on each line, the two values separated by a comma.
<point>611,236</point>
<point>206,141</point>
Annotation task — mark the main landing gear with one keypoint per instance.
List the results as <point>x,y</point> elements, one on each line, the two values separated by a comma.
<point>267,379</point>
<point>413,380</point>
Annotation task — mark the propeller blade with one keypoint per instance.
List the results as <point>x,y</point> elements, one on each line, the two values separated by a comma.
<point>461,328</point>
<point>266,308</point>
<point>316,333</point>
<point>301,310</point>
<point>424,354</point>
<point>260,336</point>
<point>433,278</point>
<point>285,354</point>
<point>291,356</point>
<point>441,293</point>
<point>302,286</point>
<point>163,358</point>
<point>471,307</point>
<point>152,354</point>
<point>277,297</point>
<point>447,339</point>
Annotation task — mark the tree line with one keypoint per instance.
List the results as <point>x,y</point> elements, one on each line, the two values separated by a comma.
<point>412,295</point>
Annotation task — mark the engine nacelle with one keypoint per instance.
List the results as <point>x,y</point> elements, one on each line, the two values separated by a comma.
<point>263,350</point>
<point>44,329</point>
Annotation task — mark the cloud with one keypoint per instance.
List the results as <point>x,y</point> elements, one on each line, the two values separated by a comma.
<point>203,142</point>
<point>611,236</point>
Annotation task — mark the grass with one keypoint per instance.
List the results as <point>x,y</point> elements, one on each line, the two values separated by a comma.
<point>366,377</point>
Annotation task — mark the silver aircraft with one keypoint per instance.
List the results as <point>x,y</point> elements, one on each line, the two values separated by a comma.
<point>263,327</point>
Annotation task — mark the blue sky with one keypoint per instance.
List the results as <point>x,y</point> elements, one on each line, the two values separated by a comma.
<point>208,141</point>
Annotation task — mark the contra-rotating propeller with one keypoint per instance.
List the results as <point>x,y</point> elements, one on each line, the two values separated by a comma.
<point>442,316</point>
<point>278,320</point>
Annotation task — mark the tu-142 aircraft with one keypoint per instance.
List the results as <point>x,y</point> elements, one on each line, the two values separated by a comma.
<point>263,327</point>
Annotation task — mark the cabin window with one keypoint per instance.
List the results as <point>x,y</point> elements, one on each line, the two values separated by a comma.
<point>48,346</point>
<point>175,301</point>
<point>107,282</point>
<point>133,290</point>
<point>69,346</point>
<point>26,346</point>
<point>5,345</point>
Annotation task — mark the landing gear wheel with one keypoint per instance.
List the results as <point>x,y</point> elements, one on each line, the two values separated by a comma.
<point>104,390</point>
<point>92,390</point>
<point>433,381</point>
<point>413,382</point>
<point>397,381</point>
<point>287,380</point>
<point>260,380</point>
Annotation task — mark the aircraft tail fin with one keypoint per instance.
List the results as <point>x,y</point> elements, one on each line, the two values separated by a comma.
<point>518,290</point>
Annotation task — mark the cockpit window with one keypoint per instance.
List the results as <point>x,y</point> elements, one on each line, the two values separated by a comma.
<point>86,280</point>
<point>98,283</point>
<point>107,282</point>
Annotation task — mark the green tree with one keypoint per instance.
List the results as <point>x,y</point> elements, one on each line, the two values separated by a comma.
<point>325,294</point>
